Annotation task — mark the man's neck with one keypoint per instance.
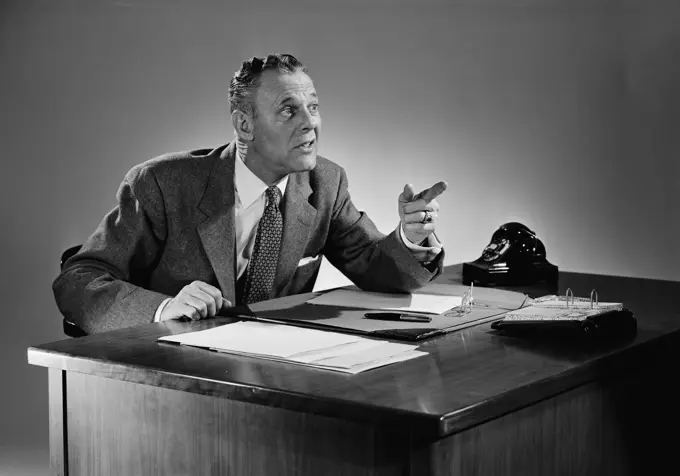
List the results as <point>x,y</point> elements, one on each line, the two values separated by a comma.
<point>256,164</point>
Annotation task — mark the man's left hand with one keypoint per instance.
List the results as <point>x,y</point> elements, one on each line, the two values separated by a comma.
<point>419,213</point>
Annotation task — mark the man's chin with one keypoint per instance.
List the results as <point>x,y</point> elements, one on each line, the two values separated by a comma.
<point>305,162</point>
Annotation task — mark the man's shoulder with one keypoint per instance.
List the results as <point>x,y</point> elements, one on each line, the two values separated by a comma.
<point>182,160</point>
<point>326,170</point>
<point>174,165</point>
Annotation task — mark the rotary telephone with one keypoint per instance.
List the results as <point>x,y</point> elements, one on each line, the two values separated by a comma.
<point>515,256</point>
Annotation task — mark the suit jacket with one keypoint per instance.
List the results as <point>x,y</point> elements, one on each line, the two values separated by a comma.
<point>174,223</point>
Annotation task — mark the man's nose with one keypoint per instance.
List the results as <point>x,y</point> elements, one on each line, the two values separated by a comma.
<point>309,120</point>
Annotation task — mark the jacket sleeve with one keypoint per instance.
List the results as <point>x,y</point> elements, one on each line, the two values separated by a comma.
<point>102,287</point>
<point>370,259</point>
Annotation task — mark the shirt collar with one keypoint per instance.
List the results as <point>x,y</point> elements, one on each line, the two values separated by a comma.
<point>248,185</point>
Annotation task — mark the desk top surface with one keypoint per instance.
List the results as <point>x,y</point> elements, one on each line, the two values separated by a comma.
<point>468,377</point>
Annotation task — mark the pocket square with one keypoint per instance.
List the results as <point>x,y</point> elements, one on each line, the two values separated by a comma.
<point>308,260</point>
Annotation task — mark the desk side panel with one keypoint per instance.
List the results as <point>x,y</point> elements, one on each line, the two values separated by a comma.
<point>613,427</point>
<point>563,435</point>
<point>57,429</point>
<point>118,427</point>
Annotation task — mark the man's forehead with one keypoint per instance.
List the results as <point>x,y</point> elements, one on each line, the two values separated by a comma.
<point>276,87</point>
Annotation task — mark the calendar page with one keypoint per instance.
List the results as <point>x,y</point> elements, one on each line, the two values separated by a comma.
<point>561,308</point>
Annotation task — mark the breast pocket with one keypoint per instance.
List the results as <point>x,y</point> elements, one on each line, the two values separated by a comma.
<point>305,275</point>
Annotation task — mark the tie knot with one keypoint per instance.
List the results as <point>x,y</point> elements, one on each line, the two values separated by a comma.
<point>273,195</point>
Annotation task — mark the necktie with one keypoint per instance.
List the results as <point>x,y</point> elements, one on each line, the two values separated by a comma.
<point>262,266</point>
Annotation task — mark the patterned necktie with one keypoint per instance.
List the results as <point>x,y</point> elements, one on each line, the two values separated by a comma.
<point>262,266</point>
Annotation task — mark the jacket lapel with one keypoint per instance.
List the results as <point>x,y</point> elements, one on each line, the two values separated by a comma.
<point>217,229</point>
<point>298,221</point>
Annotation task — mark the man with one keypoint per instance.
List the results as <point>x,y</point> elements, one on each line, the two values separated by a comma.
<point>196,232</point>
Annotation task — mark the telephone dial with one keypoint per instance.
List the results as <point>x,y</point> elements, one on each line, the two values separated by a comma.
<point>515,256</point>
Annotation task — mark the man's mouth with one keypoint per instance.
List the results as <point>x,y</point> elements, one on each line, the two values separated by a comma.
<point>306,145</point>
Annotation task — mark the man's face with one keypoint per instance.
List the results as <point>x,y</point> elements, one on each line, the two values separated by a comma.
<point>287,123</point>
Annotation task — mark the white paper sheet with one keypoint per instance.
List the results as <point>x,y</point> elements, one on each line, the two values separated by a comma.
<point>379,353</point>
<point>375,364</point>
<point>309,347</point>
<point>348,355</point>
<point>265,339</point>
<point>337,351</point>
<point>357,368</point>
<point>415,302</point>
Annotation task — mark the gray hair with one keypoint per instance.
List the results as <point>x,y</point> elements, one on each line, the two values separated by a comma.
<point>246,80</point>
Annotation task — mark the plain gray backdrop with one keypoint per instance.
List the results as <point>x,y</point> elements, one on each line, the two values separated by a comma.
<point>561,114</point>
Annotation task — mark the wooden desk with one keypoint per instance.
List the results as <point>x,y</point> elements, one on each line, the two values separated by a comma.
<point>479,404</point>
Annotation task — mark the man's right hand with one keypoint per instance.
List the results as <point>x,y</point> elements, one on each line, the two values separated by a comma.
<point>196,301</point>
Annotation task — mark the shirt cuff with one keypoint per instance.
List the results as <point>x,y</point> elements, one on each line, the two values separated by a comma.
<point>432,241</point>
<point>159,311</point>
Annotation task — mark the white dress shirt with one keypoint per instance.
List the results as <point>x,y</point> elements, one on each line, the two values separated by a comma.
<point>249,206</point>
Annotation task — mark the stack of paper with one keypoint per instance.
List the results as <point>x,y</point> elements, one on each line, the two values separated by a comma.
<point>314,348</point>
<point>416,302</point>
<point>557,308</point>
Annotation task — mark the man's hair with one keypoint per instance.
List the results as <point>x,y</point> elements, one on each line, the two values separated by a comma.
<point>247,79</point>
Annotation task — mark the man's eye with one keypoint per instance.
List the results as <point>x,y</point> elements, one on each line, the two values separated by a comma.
<point>287,110</point>
<point>314,108</point>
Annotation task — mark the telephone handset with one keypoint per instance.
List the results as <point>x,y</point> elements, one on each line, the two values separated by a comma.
<point>515,256</point>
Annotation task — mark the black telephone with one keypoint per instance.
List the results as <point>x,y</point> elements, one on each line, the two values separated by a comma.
<point>515,256</point>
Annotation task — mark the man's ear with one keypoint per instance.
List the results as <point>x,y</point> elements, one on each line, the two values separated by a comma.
<point>243,125</point>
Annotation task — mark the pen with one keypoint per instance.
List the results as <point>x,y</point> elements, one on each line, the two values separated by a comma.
<point>397,316</point>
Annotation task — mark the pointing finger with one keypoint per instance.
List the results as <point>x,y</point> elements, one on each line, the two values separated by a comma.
<point>433,192</point>
<point>408,193</point>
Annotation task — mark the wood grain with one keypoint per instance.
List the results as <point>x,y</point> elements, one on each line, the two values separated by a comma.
<point>614,427</point>
<point>468,377</point>
<point>559,436</point>
<point>57,428</point>
<point>123,428</point>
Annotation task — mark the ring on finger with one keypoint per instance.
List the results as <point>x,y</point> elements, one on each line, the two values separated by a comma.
<point>428,217</point>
